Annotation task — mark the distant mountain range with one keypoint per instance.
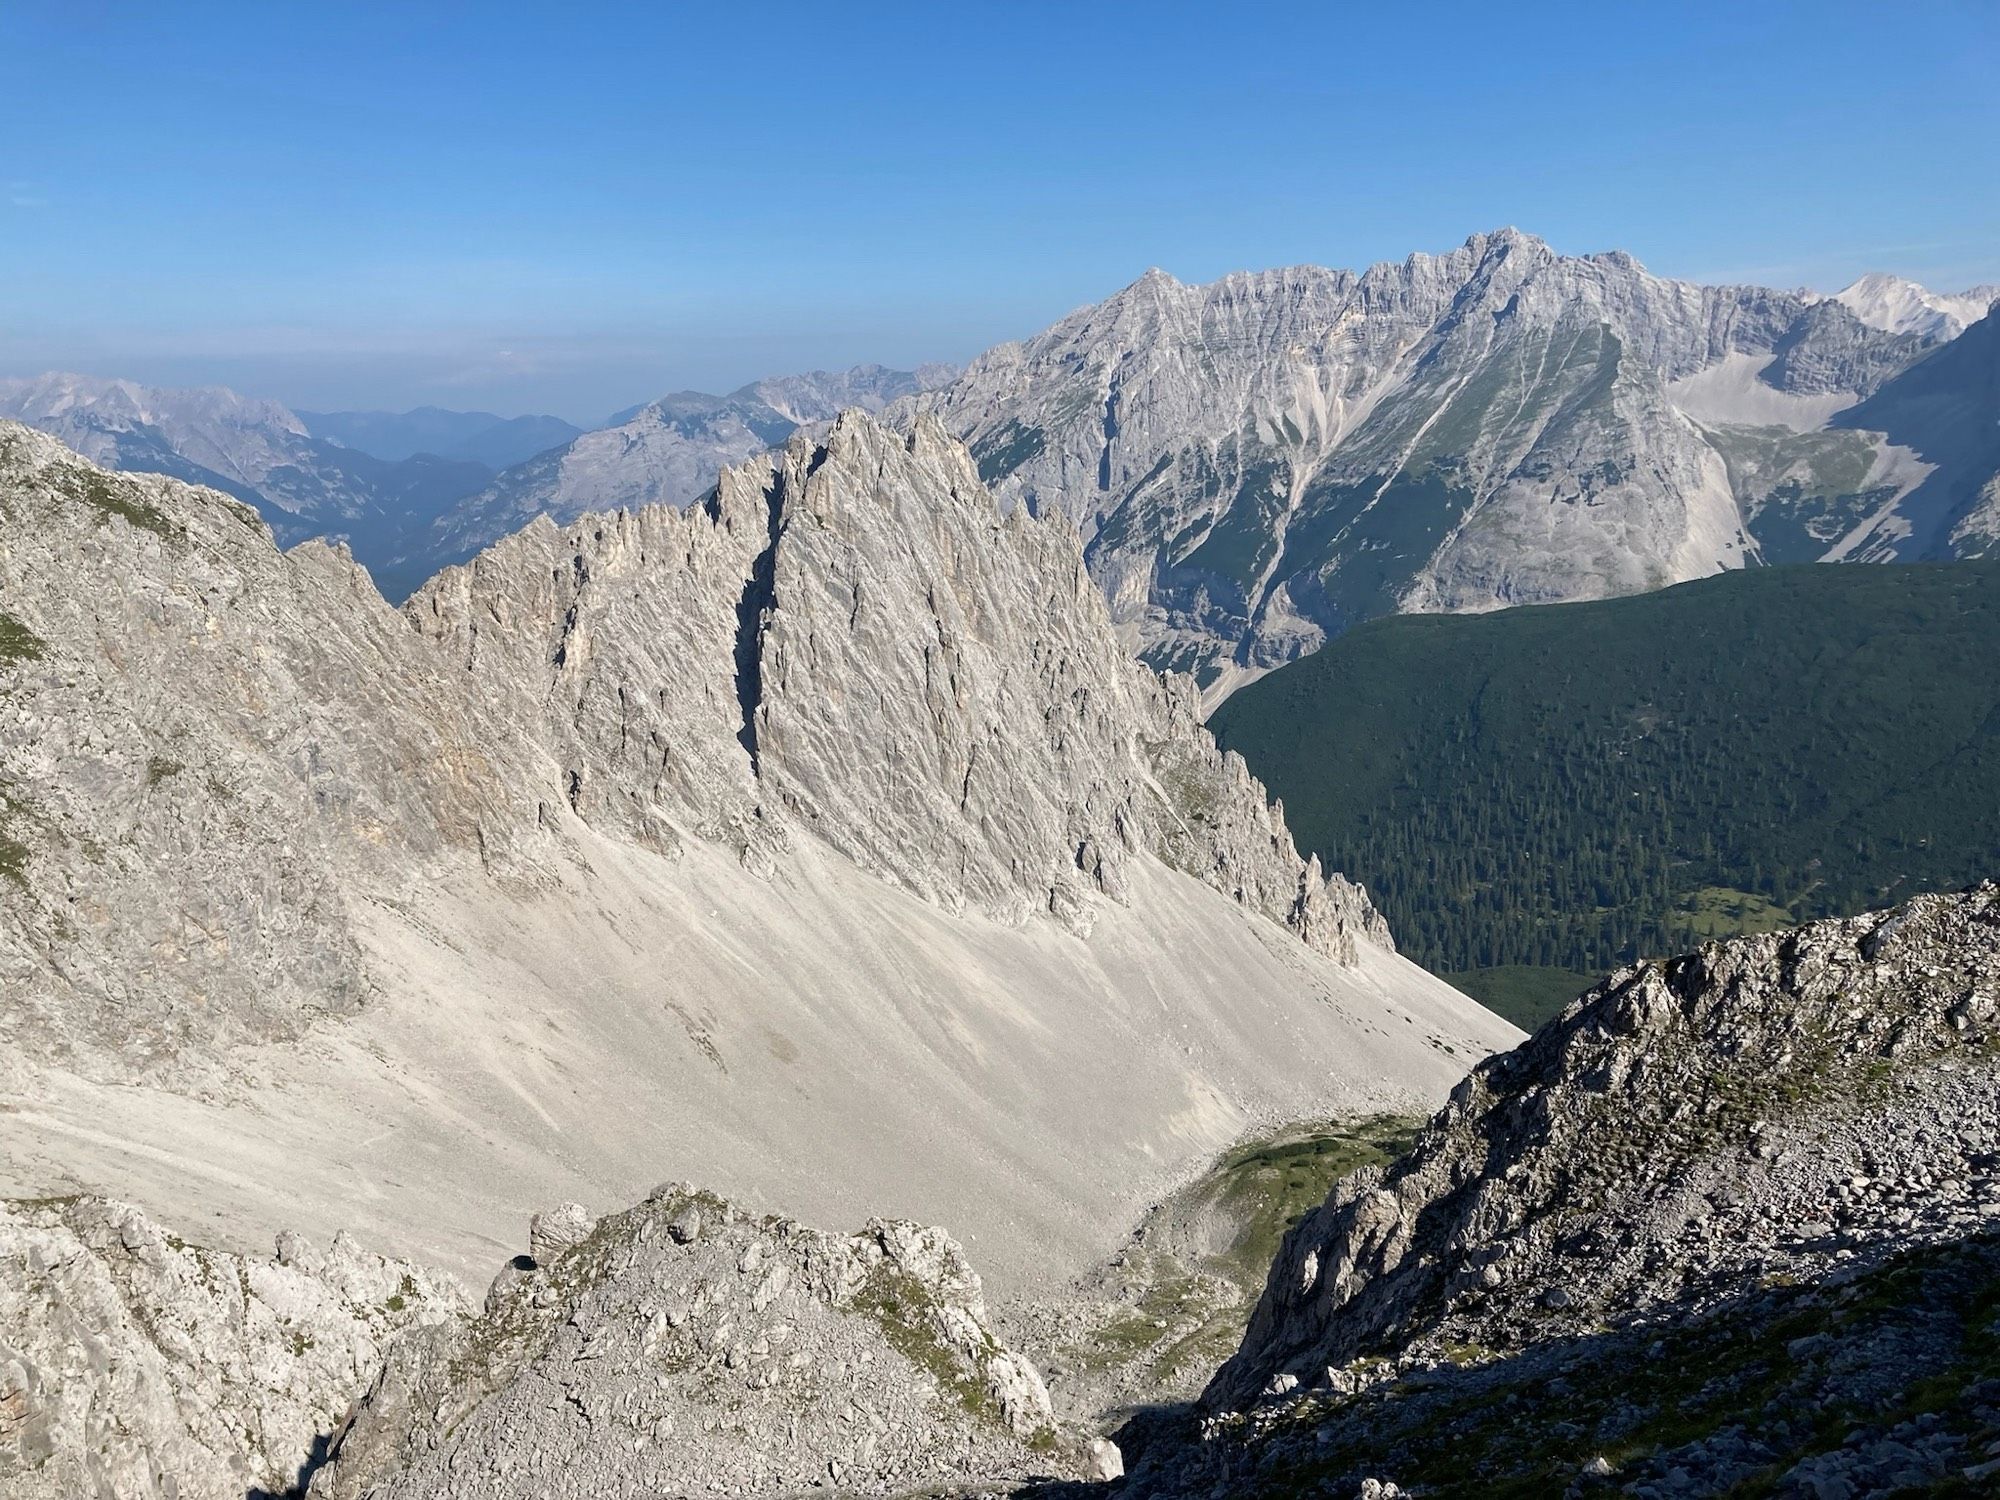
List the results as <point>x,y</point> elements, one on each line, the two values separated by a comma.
<point>479,436</point>
<point>1898,305</point>
<point>1260,463</point>
<point>411,491</point>
<point>1265,461</point>
<point>668,451</point>
<point>259,451</point>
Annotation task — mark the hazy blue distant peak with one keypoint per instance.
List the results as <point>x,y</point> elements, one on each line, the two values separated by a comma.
<point>480,436</point>
<point>669,450</point>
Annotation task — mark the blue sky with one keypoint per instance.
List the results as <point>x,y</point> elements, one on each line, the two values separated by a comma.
<point>573,209</point>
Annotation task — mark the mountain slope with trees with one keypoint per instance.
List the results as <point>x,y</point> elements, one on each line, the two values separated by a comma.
<point>1569,787</point>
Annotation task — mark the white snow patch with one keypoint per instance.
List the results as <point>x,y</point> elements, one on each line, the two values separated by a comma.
<point>1896,304</point>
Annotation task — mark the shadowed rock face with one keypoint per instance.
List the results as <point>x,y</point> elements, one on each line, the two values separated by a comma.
<point>684,1337</point>
<point>1260,462</point>
<point>1764,1108</point>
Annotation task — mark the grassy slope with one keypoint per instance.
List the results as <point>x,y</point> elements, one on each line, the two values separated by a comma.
<point>1568,787</point>
<point>1176,1301</point>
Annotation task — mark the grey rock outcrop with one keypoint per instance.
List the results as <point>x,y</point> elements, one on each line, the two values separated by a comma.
<point>850,640</point>
<point>209,752</point>
<point>136,1365</point>
<point>1260,462</point>
<point>1765,1108</point>
<point>753,1356</point>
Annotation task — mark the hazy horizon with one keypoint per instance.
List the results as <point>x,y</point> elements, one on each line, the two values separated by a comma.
<point>572,214</point>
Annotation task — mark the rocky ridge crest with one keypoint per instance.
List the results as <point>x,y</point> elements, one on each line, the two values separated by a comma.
<point>683,1346</point>
<point>1262,461</point>
<point>1768,1107</point>
<point>849,639</point>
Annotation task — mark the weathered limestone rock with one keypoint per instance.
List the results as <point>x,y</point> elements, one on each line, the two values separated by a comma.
<point>134,1364</point>
<point>761,1355</point>
<point>850,641</point>
<point>1760,1108</point>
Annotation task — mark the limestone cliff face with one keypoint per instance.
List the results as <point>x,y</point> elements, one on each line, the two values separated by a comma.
<point>850,641</point>
<point>209,752</point>
<point>1262,461</point>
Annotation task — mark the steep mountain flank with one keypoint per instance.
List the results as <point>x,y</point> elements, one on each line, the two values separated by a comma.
<point>1946,410</point>
<point>876,656</point>
<point>1776,1156</point>
<point>211,753</point>
<point>1574,787</point>
<point>1262,462</point>
<point>677,841</point>
<point>1679,1122</point>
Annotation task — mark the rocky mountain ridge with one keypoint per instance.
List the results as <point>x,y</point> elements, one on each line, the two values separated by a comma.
<point>1700,1154</point>
<point>667,452</point>
<point>284,866</point>
<point>1259,463</point>
<point>730,604</point>
<point>1262,461</point>
<point>1896,304</point>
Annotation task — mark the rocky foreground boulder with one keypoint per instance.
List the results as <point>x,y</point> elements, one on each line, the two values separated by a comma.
<point>679,1347</point>
<point>685,1347</point>
<point>1730,1218</point>
<point>136,1365</point>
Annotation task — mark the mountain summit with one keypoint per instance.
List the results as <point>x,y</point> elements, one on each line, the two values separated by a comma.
<point>1899,305</point>
<point>1261,462</point>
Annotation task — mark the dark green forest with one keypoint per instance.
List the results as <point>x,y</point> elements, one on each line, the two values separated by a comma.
<point>1569,787</point>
